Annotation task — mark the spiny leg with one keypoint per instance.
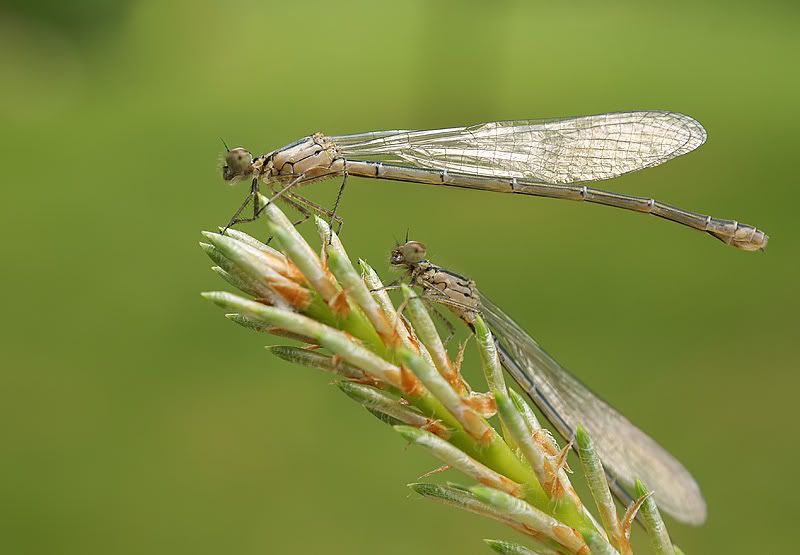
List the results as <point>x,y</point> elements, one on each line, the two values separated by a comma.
<point>430,297</point>
<point>305,213</point>
<point>275,197</point>
<point>336,206</point>
<point>280,193</point>
<point>286,190</point>
<point>429,302</point>
<point>319,210</point>
<point>302,205</point>
<point>399,313</point>
<point>315,208</point>
<point>252,195</point>
<point>433,295</point>
<point>451,329</point>
<point>389,287</point>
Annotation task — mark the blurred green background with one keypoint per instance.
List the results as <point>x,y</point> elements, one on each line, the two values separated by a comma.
<point>136,419</point>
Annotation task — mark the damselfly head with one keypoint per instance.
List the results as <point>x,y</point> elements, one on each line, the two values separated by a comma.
<point>238,163</point>
<point>412,252</point>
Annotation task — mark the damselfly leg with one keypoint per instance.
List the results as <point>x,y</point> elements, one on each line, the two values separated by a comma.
<point>315,208</point>
<point>336,203</point>
<point>251,196</point>
<point>295,200</point>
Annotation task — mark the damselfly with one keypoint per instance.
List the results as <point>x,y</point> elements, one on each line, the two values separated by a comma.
<point>627,452</point>
<point>541,157</point>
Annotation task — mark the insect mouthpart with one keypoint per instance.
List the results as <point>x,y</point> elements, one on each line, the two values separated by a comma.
<point>396,258</point>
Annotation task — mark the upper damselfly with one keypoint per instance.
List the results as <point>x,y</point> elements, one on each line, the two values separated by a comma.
<point>553,158</point>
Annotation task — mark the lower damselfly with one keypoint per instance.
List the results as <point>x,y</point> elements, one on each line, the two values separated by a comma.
<point>553,158</point>
<point>627,452</point>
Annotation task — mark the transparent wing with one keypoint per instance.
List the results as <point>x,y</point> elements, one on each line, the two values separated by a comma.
<point>558,151</point>
<point>626,451</point>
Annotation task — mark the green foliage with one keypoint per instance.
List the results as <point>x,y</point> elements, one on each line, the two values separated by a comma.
<point>400,371</point>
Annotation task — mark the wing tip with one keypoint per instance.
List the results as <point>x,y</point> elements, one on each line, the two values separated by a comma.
<point>696,134</point>
<point>693,516</point>
<point>689,507</point>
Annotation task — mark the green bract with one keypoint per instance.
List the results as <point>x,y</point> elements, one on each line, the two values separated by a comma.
<point>399,369</point>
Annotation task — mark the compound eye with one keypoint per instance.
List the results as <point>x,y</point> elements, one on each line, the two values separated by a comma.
<point>413,251</point>
<point>238,162</point>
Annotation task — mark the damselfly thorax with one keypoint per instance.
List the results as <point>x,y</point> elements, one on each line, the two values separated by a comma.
<point>311,158</point>
<point>458,293</point>
<point>553,158</point>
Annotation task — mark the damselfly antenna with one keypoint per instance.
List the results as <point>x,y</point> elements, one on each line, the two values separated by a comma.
<point>225,144</point>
